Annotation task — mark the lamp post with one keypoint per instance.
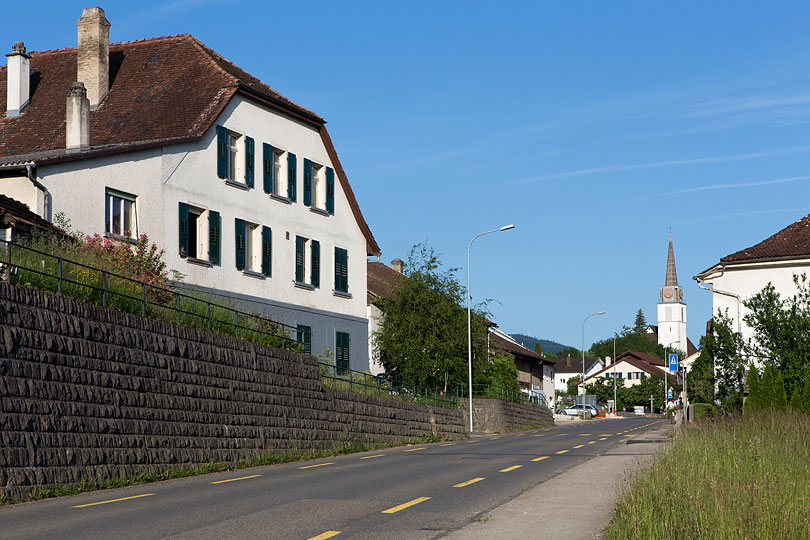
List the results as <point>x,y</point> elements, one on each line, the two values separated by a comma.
<point>614,375</point>
<point>469,319</point>
<point>582,382</point>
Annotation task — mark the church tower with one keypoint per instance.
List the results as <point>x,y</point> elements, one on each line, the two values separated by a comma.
<point>672,308</point>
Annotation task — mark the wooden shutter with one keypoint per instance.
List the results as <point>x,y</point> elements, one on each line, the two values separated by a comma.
<point>316,264</point>
<point>299,259</point>
<point>267,251</point>
<point>307,182</point>
<point>240,244</point>
<point>292,172</point>
<point>214,235</point>
<point>267,168</point>
<point>342,351</point>
<point>305,337</point>
<point>341,270</point>
<point>250,161</point>
<point>222,152</point>
<point>183,229</point>
<point>330,190</point>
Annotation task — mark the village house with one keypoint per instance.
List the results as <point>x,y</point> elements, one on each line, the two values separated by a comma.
<point>162,136</point>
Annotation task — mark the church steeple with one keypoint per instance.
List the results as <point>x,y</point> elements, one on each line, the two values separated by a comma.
<point>672,308</point>
<point>671,292</point>
<point>672,275</point>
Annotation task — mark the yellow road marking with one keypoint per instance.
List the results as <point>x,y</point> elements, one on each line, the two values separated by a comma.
<point>562,451</point>
<point>468,482</point>
<point>113,500</point>
<point>579,446</point>
<point>630,435</point>
<point>235,479</point>
<point>605,434</point>
<point>471,441</point>
<point>415,449</point>
<point>318,465</point>
<point>447,444</point>
<point>512,468</point>
<point>538,435</point>
<point>403,506</point>
<point>591,442</point>
<point>541,458</point>
<point>324,536</point>
<point>603,439</point>
<point>370,457</point>
<point>584,434</point>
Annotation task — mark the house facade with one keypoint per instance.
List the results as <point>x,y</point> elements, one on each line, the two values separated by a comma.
<point>242,187</point>
<point>572,367</point>
<point>535,372</point>
<point>741,275</point>
<point>632,367</point>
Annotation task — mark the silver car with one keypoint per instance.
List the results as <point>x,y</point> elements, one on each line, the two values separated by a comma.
<point>577,409</point>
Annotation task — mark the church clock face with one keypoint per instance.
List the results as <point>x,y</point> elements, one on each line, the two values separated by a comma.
<point>680,294</point>
<point>667,293</point>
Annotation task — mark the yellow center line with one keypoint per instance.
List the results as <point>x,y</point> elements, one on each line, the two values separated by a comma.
<point>403,506</point>
<point>591,442</point>
<point>579,446</point>
<point>415,449</point>
<point>562,451</point>
<point>318,465</point>
<point>538,435</point>
<point>468,482</point>
<point>113,500</point>
<point>605,434</point>
<point>512,468</point>
<point>603,439</point>
<point>235,479</point>
<point>541,458</point>
<point>324,536</point>
<point>584,434</point>
<point>630,435</point>
<point>371,457</point>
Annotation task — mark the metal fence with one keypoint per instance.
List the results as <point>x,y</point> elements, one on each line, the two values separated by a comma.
<point>27,266</point>
<point>498,392</point>
<point>365,383</point>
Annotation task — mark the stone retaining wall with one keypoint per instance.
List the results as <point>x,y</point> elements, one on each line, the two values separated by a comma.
<point>87,391</point>
<point>491,415</point>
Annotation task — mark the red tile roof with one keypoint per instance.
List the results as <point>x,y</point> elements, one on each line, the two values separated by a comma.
<point>515,349</point>
<point>791,242</point>
<point>163,90</point>
<point>643,361</point>
<point>381,280</point>
<point>570,364</point>
<point>19,216</point>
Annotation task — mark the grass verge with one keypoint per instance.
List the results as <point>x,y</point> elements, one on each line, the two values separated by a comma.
<point>744,477</point>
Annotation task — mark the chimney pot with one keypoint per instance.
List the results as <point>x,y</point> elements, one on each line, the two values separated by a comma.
<point>18,80</point>
<point>93,57</point>
<point>398,265</point>
<point>77,118</point>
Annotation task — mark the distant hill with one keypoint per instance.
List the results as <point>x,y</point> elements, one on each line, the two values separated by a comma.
<point>550,347</point>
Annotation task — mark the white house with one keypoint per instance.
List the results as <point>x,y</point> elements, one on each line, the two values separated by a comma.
<point>242,187</point>
<point>633,367</point>
<point>741,275</point>
<point>535,373</point>
<point>572,367</point>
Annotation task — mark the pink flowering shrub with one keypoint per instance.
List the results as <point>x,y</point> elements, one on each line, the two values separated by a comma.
<point>141,261</point>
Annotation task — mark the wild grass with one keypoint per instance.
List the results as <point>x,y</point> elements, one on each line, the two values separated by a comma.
<point>731,478</point>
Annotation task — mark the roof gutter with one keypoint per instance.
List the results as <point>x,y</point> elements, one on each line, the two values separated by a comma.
<point>714,289</point>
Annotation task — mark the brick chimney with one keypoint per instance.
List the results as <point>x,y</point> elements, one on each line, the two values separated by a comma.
<point>398,265</point>
<point>18,80</point>
<point>93,68</point>
<point>77,118</point>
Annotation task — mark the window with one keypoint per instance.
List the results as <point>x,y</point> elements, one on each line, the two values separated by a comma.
<point>120,218</point>
<point>199,233</point>
<point>307,262</point>
<point>642,375</point>
<point>235,157</point>
<point>305,337</point>
<point>254,248</point>
<point>319,187</point>
<point>342,352</point>
<point>341,270</point>
<point>277,171</point>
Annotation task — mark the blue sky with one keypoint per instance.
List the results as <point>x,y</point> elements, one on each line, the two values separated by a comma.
<point>595,127</point>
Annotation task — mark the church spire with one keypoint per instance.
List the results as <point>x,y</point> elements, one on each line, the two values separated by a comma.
<point>672,275</point>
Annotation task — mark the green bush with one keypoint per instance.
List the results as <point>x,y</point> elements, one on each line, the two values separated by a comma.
<point>704,410</point>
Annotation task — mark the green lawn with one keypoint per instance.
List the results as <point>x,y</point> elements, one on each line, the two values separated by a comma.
<point>746,477</point>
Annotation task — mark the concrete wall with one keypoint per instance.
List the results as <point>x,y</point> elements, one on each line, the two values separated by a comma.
<point>88,391</point>
<point>495,415</point>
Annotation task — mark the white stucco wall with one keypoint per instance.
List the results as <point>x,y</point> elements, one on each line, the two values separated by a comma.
<point>622,370</point>
<point>20,188</point>
<point>672,325</point>
<point>163,177</point>
<point>561,378</point>
<point>375,315</point>
<point>746,280</point>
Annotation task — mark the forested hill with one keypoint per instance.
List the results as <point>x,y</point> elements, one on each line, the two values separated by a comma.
<point>549,347</point>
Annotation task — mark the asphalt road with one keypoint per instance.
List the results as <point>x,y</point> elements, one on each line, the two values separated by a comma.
<point>408,492</point>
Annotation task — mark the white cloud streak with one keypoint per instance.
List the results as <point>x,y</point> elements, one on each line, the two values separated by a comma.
<point>735,186</point>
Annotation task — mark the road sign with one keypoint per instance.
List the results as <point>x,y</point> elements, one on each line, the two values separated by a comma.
<point>669,393</point>
<point>673,362</point>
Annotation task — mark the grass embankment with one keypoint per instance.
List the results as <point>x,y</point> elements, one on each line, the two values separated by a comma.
<point>746,478</point>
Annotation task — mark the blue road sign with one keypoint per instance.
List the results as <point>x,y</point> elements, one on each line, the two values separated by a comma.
<point>669,393</point>
<point>673,362</point>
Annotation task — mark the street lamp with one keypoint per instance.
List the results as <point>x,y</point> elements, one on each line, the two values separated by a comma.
<point>582,382</point>
<point>469,319</point>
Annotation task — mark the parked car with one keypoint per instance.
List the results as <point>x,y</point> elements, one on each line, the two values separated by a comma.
<point>576,409</point>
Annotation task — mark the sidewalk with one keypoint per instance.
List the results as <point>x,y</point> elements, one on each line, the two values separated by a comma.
<point>547,511</point>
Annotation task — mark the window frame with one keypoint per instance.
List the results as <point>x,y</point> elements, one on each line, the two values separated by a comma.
<point>110,197</point>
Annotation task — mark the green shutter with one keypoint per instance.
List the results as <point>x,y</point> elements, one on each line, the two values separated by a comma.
<point>214,235</point>
<point>342,351</point>
<point>183,229</point>
<point>222,152</point>
<point>267,170</point>
<point>307,182</point>
<point>299,259</point>
<point>341,270</point>
<point>267,251</point>
<point>240,244</point>
<point>305,337</point>
<point>316,264</point>
<point>330,190</point>
<point>292,172</point>
<point>250,160</point>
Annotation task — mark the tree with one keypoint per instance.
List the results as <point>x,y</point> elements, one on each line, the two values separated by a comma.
<point>502,372</point>
<point>724,346</point>
<point>700,388</point>
<point>422,338</point>
<point>806,392</point>
<point>781,329</point>
<point>627,341</point>
<point>640,324</point>
<point>573,385</point>
<point>778,392</point>
<point>754,399</point>
<point>639,394</point>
